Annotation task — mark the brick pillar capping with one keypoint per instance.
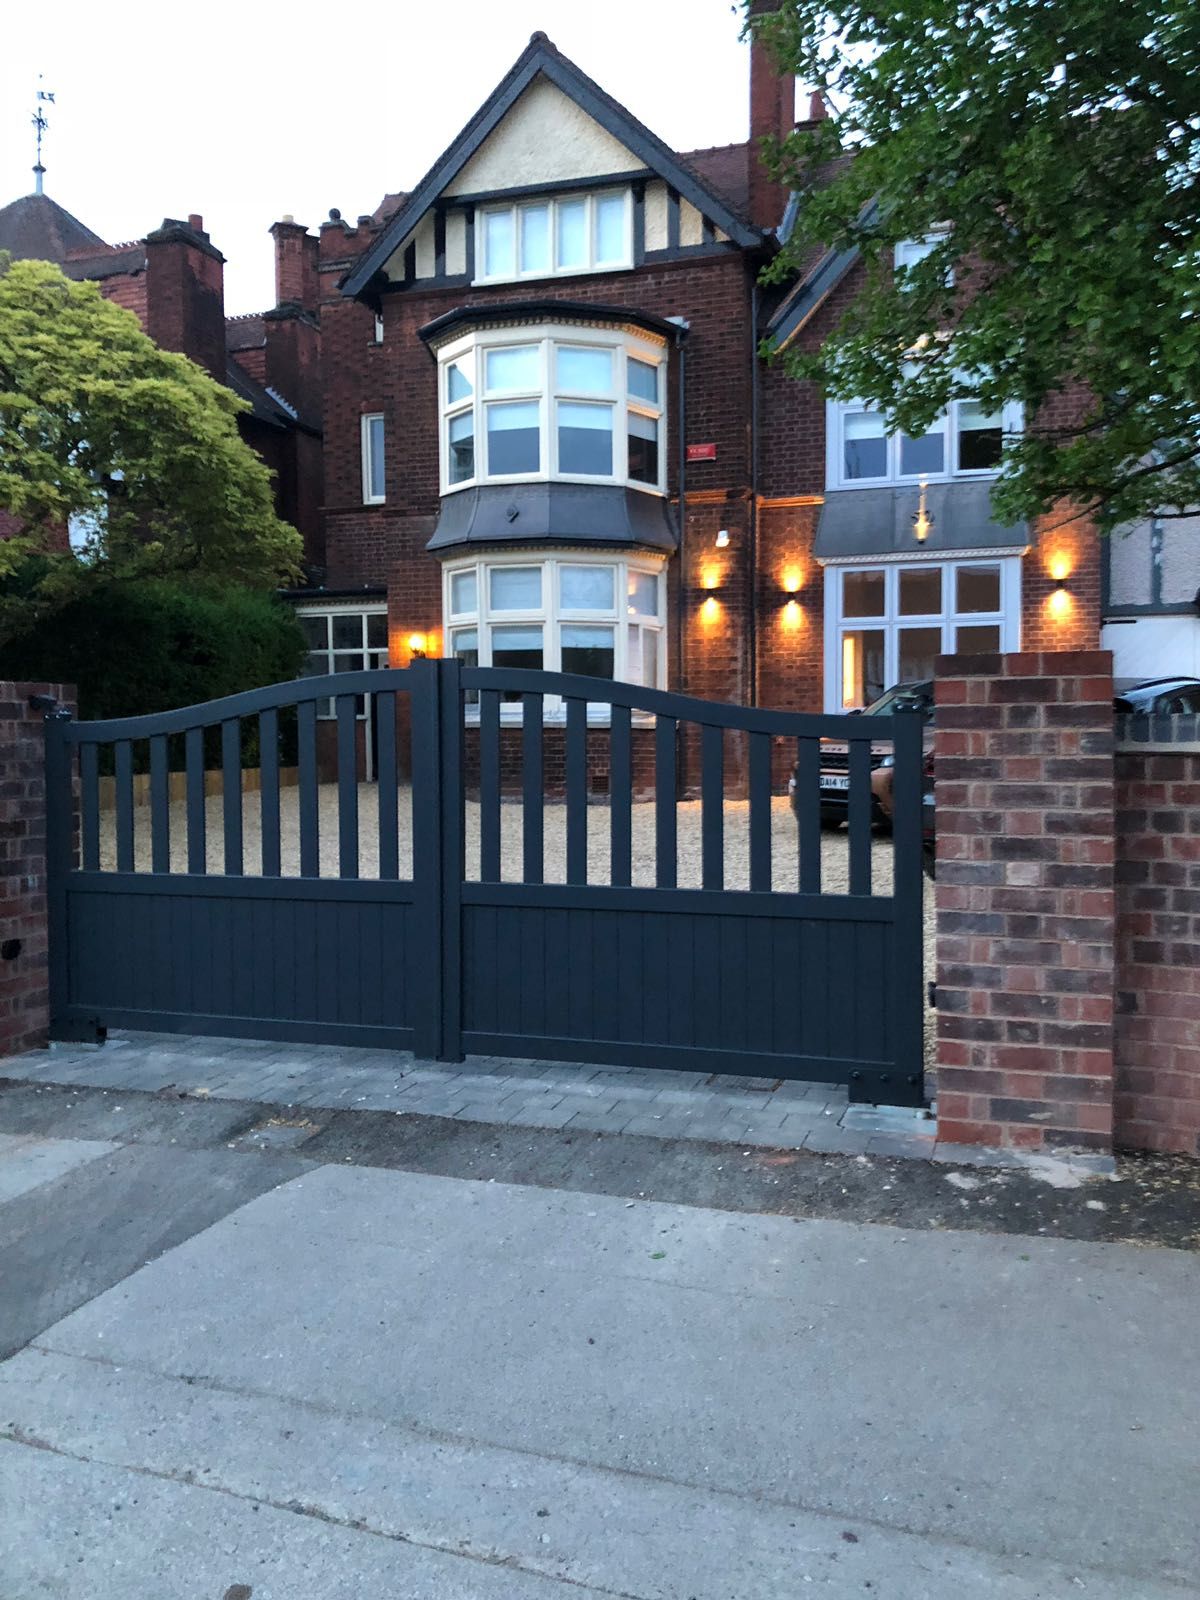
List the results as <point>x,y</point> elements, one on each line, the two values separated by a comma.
<point>1025,899</point>
<point>24,942</point>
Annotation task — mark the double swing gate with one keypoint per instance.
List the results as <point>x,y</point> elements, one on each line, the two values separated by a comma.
<point>521,878</point>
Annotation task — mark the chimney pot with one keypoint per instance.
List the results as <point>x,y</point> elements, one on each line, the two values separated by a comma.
<point>287,217</point>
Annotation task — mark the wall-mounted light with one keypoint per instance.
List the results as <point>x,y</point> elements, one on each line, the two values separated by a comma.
<point>923,518</point>
<point>1060,600</point>
<point>710,579</point>
<point>417,645</point>
<point>722,539</point>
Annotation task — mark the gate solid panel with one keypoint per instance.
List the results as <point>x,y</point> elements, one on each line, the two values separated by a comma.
<point>180,921</point>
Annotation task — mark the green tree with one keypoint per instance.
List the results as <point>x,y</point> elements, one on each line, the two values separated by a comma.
<point>133,446</point>
<point>1053,147</point>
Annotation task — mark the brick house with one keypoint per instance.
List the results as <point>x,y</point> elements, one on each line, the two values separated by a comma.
<point>539,355</point>
<point>173,281</point>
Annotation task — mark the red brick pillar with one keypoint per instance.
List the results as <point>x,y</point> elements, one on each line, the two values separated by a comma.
<point>24,944</point>
<point>1025,899</point>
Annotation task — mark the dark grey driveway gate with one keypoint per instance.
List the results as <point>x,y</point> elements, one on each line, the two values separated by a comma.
<point>159,921</point>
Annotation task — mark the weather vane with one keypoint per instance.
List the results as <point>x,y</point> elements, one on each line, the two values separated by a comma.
<point>42,98</point>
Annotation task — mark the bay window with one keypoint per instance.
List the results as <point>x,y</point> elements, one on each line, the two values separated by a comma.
<point>547,238</point>
<point>886,623</point>
<point>966,439</point>
<point>572,612</point>
<point>578,404</point>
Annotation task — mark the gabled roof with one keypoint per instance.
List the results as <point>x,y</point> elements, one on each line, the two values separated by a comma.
<point>815,286</point>
<point>36,228</point>
<point>266,405</point>
<point>541,57</point>
<point>725,168</point>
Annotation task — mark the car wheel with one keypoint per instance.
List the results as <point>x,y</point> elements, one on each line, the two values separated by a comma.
<point>929,862</point>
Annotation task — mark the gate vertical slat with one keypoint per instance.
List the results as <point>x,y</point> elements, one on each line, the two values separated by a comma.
<point>908,891</point>
<point>666,866</point>
<point>712,808</point>
<point>427,802</point>
<point>576,771</point>
<point>760,812</point>
<point>268,792</point>
<point>532,789</point>
<point>387,785</point>
<point>160,806</point>
<point>489,786</point>
<point>231,794</point>
<point>858,807</point>
<point>453,848</point>
<point>124,798</point>
<point>89,783</point>
<point>808,813</point>
<point>347,786</point>
<point>197,843</point>
<point>306,729</point>
<point>620,798</point>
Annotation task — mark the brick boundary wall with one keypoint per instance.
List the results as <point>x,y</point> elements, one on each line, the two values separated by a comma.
<point>1025,899</point>
<point>1158,942</point>
<point>24,920</point>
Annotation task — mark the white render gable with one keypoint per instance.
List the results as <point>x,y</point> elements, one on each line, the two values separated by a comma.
<point>545,138</point>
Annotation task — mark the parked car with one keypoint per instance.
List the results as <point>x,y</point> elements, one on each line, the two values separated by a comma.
<point>1161,697</point>
<point>835,758</point>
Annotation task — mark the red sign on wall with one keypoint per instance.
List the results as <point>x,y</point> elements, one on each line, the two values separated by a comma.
<point>702,452</point>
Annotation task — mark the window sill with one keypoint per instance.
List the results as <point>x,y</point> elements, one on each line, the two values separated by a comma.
<point>597,271</point>
<point>971,476</point>
<point>586,481</point>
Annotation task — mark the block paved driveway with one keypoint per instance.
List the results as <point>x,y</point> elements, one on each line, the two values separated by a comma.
<point>287,1380</point>
<point>663,1103</point>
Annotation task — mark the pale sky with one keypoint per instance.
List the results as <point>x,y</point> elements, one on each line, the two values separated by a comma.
<point>246,111</point>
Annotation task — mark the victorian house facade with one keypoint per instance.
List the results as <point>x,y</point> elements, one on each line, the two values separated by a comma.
<point>551,438</point>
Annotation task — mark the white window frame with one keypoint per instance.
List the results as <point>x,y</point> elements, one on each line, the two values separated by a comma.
<point>327,611</point>
<point>836,412</point>
<point>625,345</point>
<point>550,615</point>
<point>891,623</point>
<point>552,203</point>
<point>908,252</point>
<point>368,458</point>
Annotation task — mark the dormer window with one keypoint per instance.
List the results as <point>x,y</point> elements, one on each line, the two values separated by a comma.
<point>578,404</point>
<point>552,238</point>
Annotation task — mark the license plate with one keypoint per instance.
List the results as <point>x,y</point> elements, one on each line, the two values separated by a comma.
<point>835,780</point>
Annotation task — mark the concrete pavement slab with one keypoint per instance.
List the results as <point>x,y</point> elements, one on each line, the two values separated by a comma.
<point>937,1385</point>
<point>68,1240</point>
<point>76,1531</point>
<point>580,1526</point>
<point>27,1162</point>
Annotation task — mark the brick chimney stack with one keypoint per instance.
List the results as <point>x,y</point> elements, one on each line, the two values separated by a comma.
<point>185,292</point>
<point>296,273</point>
<point>772,114</point>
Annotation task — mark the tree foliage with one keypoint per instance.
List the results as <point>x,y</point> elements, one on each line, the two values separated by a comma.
<point>143,645</point>
<point>1057,144</point>
<point>133,446</point>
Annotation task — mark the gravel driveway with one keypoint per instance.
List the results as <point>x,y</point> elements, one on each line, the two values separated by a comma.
<point>784,860</point>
